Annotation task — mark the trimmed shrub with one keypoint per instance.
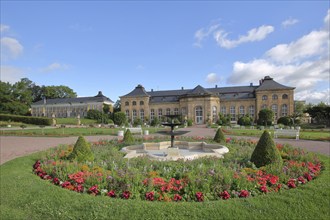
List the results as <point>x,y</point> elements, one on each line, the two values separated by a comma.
<point>245,120</point>
<point>81,151</point>
<point>285,121</point>
<point>26,119</point>
<point>128,137</point>
<point>219,136</point>
<point>266,152</point>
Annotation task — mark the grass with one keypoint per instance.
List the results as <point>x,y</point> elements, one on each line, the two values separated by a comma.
<point>25,196</point>
<point>67,131</point>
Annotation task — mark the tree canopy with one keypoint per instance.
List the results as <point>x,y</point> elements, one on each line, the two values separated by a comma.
<point>17,98</point>
<point>320,113</point>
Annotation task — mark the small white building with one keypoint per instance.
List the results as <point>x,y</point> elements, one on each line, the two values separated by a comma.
<point>69,107</point>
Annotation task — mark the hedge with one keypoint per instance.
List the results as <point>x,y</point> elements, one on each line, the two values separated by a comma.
<point>26,119</point>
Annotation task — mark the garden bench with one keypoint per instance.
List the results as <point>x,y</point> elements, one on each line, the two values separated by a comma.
<point>286,132</point>
<point>135,130</point>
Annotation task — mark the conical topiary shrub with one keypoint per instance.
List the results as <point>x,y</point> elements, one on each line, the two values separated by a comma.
<point>81,151</point>
<point>266,152</point>
<point>128,137</point>
<point>219,136</point>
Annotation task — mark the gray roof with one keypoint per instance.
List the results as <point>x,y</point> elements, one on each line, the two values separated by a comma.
<point>138,91</point>
<point>98,98</point>
<point>224,93</point>
<point>269,84</point>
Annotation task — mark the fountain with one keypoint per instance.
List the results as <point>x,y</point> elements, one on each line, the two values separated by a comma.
<point>175,150</point>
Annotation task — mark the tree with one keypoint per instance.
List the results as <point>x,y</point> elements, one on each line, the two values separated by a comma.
<point>266,152</point>
<point>320,113</point>
<point>117,106</point>
<point>53,92</point>
<point>81,151</point>
<point>265,117</point>
<point>219,136</point>
<point>245,120</point>
<point>120,118</point>
<point>223,119</point>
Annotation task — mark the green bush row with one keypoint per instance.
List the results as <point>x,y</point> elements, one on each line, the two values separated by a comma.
<point>26,119</point>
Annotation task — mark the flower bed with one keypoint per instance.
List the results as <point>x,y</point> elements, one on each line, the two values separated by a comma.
<point>199,180</point>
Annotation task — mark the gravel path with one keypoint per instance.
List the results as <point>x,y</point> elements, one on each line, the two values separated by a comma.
<point>12,147</point>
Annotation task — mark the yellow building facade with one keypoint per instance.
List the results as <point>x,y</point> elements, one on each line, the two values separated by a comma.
<point>203,105</point>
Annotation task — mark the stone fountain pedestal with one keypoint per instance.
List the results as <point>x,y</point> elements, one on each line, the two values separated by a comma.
<point>173,153</point>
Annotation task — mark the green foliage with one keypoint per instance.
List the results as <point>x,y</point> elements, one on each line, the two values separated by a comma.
<point>223,119</point>
<point>155,122</point>
<point>100,117</point>
<point>265,117</point>
<point>120,118</point>
<point>266,152</point>
<point>219,136</point>
<point>26,119</point>
<point>245,120</point>
<point>189,122</point>
<point>137,121</point>
<point>81,151</point>
<point>128,137</point>
<point>320,113</point>
<point>285,121</point>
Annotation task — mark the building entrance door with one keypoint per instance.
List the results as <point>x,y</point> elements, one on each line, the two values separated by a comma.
<point>199,115</point>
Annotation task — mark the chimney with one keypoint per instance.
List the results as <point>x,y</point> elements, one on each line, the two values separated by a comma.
<point>152,90</point>
<point>251,84</point>
<point>182,88</point>
<point>216,86</point>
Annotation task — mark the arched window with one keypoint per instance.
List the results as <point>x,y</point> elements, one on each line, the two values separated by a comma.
<point>127,114</point>
<point>134,103</point>
<point>214,113</point>
<point>241,110</point>
<point>126,103</point>
<point>223,110</point>
<point>232,113</point>
<point>142,115</point>
<point>284,110</point>
<point>251,111</point>
<point>183,111</point>
<point>160,113</point>
<point>134,114</point>
<point>152,114</point>
<point>274,97</point>
<point>274,109</point>
<point>141,102</point>
<point>199,115</point>
<point>168,111</point>
<point>264,97</point>
<point>176,111</point>
<point>284,96</point>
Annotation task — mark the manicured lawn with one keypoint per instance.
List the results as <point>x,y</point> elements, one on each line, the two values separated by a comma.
<point>25,196</point>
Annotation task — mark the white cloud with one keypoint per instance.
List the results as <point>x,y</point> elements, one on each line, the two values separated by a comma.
<point>4,28</point>
<point>327,19</point>
<point>212,78</point>
<point>54,67</point>
<point>10,48</point>
<point>313,44</point>
<point>289,22</point>
<point>303,63</point>
<point>255,34</point>
<point>11,74</point>
<point>203,33</point>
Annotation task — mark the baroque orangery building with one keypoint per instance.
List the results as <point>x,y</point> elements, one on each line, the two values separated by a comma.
<point>203,104</point>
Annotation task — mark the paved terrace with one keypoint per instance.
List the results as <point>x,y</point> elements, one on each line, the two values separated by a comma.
<point>12,147</point>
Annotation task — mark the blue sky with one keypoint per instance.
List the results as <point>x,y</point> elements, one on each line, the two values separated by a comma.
<point>114,45</point>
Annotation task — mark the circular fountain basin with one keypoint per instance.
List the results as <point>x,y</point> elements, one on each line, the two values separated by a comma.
<point>183,150</point>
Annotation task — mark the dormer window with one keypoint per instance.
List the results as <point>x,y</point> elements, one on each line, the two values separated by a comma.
<point>126,103</point>
<point>134,103</point>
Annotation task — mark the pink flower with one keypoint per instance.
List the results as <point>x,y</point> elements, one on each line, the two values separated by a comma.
<point>126,195</point>
<point>244,194</point>
<point>56,181</point>
<point>150,196</point>
<point>112,194</point>
<point>94,190</point>
<point>291,183</point>
<point>79,188</point>
<point>264,189</point>
<point>199,196</point>
<point>225,195</point>
<point>308,176</point>
<point>177,197</point>
<point>301,180</point>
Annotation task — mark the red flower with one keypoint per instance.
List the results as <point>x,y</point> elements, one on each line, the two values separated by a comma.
<point>79,188</point>
<point>301,180</point>
<point>225,195</point>
<point>56,181</point>
<point>264,189</point>
<point>177,197</point>
<point>126,195</point>
<point>291,183</point>
<point>150,196</point>
<point>308,176</point>
<point>112,194</point>
<point>94,190</point>
<point>244,193</point>
<point>36,164</point>
<point>199,196</point>
<point>273,179</point>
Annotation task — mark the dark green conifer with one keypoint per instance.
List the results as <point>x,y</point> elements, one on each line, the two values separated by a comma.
<point>128,137</point>
<point>219,136</point>
<point>81,151</point>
